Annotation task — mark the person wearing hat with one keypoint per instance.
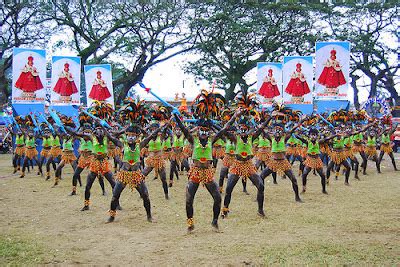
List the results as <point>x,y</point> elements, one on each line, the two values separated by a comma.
<point>65,85</point>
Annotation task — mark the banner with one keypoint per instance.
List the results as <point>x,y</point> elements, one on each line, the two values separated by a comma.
<point>269,81</point>
<point>98,80</point>
<point>29,75</point>
<point>332,69</point>
<point>297,79</point>
<point>65,80</point>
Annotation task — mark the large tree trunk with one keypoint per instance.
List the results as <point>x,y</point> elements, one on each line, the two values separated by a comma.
<point>389,85</point>
<point>3,89</point>
<point>374,87</point>
<point>353,84</point>
<point>230,92</point>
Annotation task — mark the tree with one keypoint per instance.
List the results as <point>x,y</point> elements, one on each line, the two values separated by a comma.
<point>233,37</point>
<point>370,29</point>
<point>126,34</point>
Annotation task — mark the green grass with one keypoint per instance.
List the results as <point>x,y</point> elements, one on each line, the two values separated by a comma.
<point>18,251</point>
<point>323,253</point>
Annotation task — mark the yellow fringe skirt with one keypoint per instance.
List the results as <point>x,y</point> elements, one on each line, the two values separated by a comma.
<point>291,150</point>
<point>358,148</point>
<point>99,166</point>
<point>263,154</point>
<point>31,152</point>
<point>45,152</point>
<point>85,160</point>
<point>279,166</point>
<point>370,151</point>
<point>228,160</point>
<point>55,151</point>
<point>313,162</point>
<point>68,156</point>
<point>338,156</point>
<point>201,175</point>
<point>243,169</point>
<point>20,150</point>
<point>188,150</point>
<point>218,152</point>
<point>156,162</point>
<point>386,148</point>
<point>130,178</point>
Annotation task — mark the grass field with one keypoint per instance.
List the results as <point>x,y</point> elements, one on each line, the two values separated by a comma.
<point>356,224</point>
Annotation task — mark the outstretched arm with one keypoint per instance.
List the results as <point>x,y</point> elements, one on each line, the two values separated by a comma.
<point>149,137</point>
<point>184,130</point>
<point>260,129</point>
<point>76,134</point>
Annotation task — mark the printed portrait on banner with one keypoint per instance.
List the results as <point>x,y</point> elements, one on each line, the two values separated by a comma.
<point>297,80</point>
<point>332,69</point>
<point>29,75</point>
<point>65,80</point>
<point>269,81</point>
<point>98,80</point>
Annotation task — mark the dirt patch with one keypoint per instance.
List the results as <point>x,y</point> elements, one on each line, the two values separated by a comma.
<point>353,224</point>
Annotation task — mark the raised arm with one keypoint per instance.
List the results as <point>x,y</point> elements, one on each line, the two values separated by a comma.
<point>149,137</point>
<point>184,130</point>
<point>261,128</point>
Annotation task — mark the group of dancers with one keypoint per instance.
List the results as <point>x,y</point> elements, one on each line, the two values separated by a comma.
<point>124,146</point>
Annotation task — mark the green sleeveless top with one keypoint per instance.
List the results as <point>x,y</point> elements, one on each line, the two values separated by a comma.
<point>244,149</point>
<point>338,143</point>
<point>85,145</point>
<point>201,153</point>
<point>55,141</point>
<point>257,141</point>
<point>371,141</point>
<point>30,142</point>
<point>100,149</point>
<point>229,147</point>
<point>131,156</point>
<point>46,142</point>
<point>264,142</point>
<point>19,140</point>
<point>277,147</point>
<point>292,140</point>
<point>348,141</point>
<point>219,142</point>
<point>178,141</point>
<point>313,149</point>
<point>385,139</point>
<point>166,144</point>
<point>68,145</point>
<point>358,137</point>
<point>155,145</point>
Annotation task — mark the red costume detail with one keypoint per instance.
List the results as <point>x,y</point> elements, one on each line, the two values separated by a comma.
<point>269,88</point>
<point>65,85</point>
<point>332,75</point>
<point>99,89</point>
<point>147,90</point>
<point>297,85</point>
<point>29,80</point>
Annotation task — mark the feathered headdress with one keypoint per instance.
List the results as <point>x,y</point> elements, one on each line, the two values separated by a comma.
<point>67,121</point>
<point>248,102</point>
<point>226,114</point>
<point>283,114</point>
<point>134,110</point>
<point>387,120</point>
<point>160,113</point>
<point>84,118</point>
<point>360,115</point>
<point>208,105</point>
<point>102,110</point>
<point>339,116</point>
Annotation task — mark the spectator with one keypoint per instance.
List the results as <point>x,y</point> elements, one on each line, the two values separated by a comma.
<point>396,139</point>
